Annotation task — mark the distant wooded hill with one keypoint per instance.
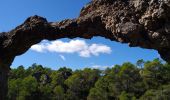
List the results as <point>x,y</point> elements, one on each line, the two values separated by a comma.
<point>145,80</point>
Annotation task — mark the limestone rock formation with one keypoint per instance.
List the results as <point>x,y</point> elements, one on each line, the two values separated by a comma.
<point>143,23</point>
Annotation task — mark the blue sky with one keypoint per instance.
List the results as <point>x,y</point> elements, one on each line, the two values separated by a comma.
<point>76,54</point>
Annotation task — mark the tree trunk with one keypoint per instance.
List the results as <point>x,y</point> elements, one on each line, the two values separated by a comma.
<point>3,82</point>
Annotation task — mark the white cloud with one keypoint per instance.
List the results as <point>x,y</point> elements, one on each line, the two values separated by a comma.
<point>73,46</point>
<point>62,57</point>
<point>38,48</point>
<point>85,53</point>
<point>101,66</point>
<point>67,47</point>
<point>95,49</point>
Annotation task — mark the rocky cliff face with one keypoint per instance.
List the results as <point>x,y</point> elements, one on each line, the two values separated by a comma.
<point>143,23</point>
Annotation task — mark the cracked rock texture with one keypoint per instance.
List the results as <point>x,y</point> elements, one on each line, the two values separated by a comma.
<point>143,23</point>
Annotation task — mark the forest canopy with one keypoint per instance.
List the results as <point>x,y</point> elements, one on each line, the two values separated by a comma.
<point>145,80</point>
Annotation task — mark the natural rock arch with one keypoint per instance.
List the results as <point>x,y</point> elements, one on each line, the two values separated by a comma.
<point>143,23</point>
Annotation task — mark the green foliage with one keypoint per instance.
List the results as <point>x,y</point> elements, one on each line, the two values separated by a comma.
<point>124,96</point>
<point>81,82</point>
<point>153,73</point>
<point>140,63</point>
<point>147,80</point>
<point>160,94</point>
<point>97,94</point>
<point>22,88</point>
<point>59,93</point>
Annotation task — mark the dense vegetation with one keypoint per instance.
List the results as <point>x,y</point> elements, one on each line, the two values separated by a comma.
<point>148,80</point>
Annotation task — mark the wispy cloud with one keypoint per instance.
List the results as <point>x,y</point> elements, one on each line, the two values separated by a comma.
<point>74,46</point>
<point>99,67</point>
<point>62,57</point>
